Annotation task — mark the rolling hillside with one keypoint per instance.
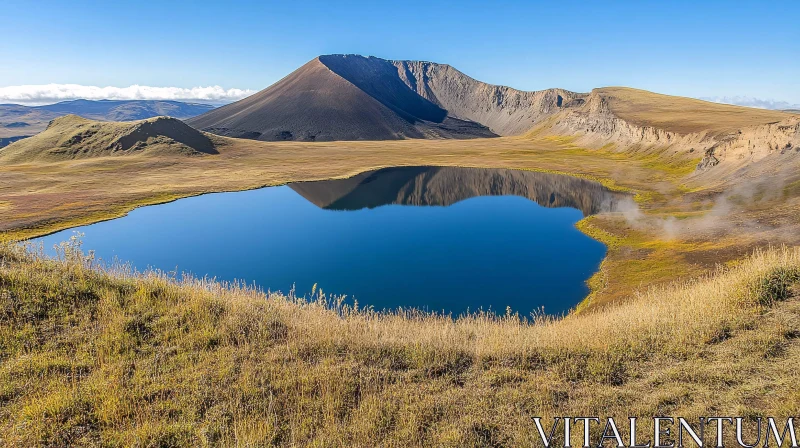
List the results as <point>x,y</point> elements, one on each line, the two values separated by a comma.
<point>22,121</point>
<point>73,137</point>
<point>350,97</point>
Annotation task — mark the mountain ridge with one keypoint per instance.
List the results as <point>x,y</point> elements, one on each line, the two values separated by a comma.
<point>352,97</point>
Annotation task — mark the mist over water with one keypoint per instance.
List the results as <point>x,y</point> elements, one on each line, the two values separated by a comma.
<point>440,239</point>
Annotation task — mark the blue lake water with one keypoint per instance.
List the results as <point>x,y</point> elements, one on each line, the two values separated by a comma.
<point>438,239</point>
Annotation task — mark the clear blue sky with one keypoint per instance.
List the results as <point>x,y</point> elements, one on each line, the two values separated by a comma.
<point>693,48</point>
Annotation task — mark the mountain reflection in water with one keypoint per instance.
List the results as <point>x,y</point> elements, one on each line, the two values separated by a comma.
<point>448,254</point>
<point>443,186</point>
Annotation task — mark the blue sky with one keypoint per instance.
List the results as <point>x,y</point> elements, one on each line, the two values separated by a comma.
<point>696,48</point>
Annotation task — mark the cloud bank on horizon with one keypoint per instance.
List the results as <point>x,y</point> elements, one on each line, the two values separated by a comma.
<point>53,93</point>
<point>752,102</point>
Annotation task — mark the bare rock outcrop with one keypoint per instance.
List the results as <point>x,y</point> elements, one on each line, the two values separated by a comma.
<point>636,120</point>
<point>504,110</point>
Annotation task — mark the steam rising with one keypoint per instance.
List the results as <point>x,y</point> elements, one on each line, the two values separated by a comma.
<point>727,212</point>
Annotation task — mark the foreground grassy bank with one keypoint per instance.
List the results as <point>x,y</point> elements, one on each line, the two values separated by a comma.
<point>109,357</point>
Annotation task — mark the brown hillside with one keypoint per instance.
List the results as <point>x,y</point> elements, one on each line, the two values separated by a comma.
<point>683,115</point>
<point>73,137</point>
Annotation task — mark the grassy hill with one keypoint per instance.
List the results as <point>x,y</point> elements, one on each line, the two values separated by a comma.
<point>108,357</point>
<point>73,137</point>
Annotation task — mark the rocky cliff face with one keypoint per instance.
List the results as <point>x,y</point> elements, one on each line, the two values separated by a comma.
<point>595,123</point>
<point>504,110</point>
<point>758,142</point>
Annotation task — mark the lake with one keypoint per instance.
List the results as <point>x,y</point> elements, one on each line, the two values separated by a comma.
<point>440,239</point>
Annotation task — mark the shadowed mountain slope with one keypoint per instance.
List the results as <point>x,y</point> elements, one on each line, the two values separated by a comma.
<point>314,103</point>
<point>504,110</point>
<point>73,137</point>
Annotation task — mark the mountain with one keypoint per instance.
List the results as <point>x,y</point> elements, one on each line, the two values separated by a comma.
<point>74,137</point>
<point>21,121</point>
<point>349,97</point>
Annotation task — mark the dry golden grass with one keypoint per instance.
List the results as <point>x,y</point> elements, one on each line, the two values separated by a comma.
<point>93,357</point>
<point>683,115</point>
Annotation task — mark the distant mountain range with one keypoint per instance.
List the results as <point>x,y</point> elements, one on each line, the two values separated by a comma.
<point>17,121</point>
<point>128,110</point>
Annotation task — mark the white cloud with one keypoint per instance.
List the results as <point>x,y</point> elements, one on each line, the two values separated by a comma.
<point>53,93</point>
<point>752,102</point>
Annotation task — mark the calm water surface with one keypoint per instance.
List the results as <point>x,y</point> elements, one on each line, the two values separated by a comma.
<point>439,239</point>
